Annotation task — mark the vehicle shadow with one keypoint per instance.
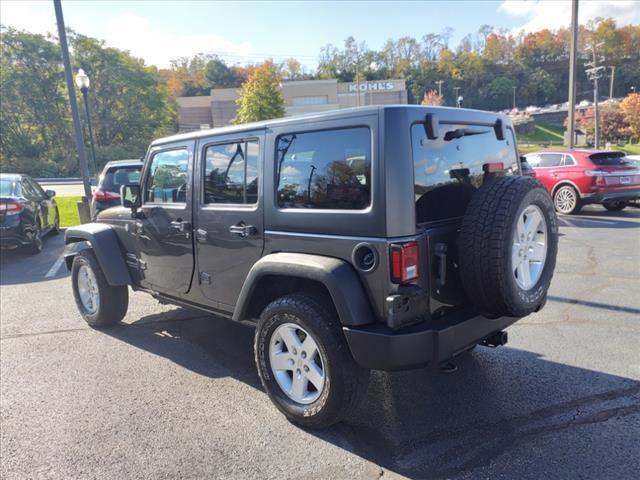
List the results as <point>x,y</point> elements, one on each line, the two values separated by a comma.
<point>598,221</point>
<point>424,423</point>
<point>17,266</point>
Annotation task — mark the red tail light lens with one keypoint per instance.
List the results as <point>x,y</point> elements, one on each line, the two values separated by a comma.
<point>103,195</point>
<point>405,262</point>
<point>12,207</point>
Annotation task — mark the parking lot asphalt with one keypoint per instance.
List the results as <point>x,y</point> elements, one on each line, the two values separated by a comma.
<point>174,394</point>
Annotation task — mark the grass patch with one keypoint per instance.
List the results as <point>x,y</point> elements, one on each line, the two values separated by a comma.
<point>68,211</point>
<point>543,133</point>
<point>629,148</point>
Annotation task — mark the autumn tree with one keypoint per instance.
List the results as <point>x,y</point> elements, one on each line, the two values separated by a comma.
<point>432,98</point>
<point>260,96</point>
<point>630,107</point>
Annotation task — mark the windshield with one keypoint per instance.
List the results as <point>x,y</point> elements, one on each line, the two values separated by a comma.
<point>448,169</point>
<point>609,159</point>
<point>118,176</point>
<point>6,187</point>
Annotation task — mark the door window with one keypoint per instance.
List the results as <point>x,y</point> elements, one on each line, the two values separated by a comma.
<point>328,169</point>
<point>167,181</point>
<point>231,173</point>
<point>550,160</point>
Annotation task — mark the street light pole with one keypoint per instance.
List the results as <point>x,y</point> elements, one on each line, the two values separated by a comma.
<point>440,82</point>
<point>82,81</point>
<point>514,97</point>
<point>571,120</point>
<point>73,104</point>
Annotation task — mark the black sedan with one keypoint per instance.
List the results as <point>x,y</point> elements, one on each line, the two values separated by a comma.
<point>27,213</point>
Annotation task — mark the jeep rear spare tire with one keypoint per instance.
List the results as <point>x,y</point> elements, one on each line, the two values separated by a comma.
<point>507,246</point>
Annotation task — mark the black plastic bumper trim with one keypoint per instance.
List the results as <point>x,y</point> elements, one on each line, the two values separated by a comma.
<point>377,347</point>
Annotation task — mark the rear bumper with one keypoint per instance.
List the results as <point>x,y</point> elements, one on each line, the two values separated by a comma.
<point>620,196</point>
<point>378,347</point>
<point>12,237</point>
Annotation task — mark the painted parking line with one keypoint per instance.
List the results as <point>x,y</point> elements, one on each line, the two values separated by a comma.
<point>55,267</point>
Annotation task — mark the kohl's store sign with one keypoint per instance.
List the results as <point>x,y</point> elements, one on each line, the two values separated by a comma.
<point>371,87</point>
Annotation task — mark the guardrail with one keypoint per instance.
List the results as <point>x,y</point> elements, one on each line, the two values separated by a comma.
<point>64,181</point>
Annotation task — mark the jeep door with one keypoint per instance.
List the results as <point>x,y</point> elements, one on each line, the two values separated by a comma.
<point>164,226</point>
<point>229,231</point>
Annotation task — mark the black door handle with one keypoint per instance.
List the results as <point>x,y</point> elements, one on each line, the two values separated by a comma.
<point>242,230</point>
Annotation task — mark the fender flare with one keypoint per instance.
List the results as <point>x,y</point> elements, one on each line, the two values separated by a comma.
<point>102,239</point>
<point>563,182</point>
<point>339,278</point>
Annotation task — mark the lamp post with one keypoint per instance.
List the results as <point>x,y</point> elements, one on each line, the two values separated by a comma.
<point>83,83</point>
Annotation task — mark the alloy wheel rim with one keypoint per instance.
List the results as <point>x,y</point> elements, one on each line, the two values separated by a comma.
<point>88,289</point>
<point>529,248</point>
<point>297,363</point>
<point>565,199</point>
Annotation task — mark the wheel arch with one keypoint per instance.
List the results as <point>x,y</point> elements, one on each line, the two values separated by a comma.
<point>277,274</point>
<point>563,183</point>
<point>104,242</point>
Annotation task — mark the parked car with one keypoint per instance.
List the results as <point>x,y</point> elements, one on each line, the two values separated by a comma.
<point>114,175</point>
<point>386,237</point>
<point>580,177</point>
<point>27,213</point>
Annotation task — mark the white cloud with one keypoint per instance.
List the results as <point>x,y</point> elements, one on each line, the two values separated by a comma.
<point>35,17</point>
<point>553,14</point>
<point>124,31</point>
<point>138,35</point>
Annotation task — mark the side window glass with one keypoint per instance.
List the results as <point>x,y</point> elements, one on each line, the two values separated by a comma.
<point>28,189</point>
<point>568,161</point>
<point>231,173</point>
<point>36,188</point>
<point>550,159</point>
<point>167,181</point>
<point>328,169</point>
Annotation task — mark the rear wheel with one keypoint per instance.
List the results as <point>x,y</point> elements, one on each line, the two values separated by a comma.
<point>100,304</point>
<point>304,361</point>
<point>615,206</point>
<point>566,200</point>
<point>35,245</point>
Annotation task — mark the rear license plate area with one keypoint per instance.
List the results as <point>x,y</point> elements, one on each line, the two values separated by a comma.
<point>625,180</point>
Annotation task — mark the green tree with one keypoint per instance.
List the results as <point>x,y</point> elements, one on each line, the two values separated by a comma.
<point>219,74</point>
<point>260,96</point>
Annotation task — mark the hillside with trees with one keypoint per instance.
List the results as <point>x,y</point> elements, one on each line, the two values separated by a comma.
<point>131,103</point>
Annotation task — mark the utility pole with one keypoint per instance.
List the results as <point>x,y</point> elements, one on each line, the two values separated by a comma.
<point>613,75</point>
<point>514,97</point>
<point>84,169</point>
<point>594,73</point>
<point>440,82</point>
<point>571,120</point>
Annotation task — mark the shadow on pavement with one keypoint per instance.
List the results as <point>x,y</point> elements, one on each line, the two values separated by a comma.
<point>425,424</point>
<point>18,267</point>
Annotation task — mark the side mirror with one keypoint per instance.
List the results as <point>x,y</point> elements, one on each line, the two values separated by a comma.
<point>500,129</point>
<point>50,193</point>
<point>130,196</point>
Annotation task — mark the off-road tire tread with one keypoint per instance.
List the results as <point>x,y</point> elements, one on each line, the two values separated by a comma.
<point>114,300</point>
<point>482,240</point>
<point>321,314</point>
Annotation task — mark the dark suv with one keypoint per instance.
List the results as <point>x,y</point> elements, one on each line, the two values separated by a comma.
<point>384,237</point>
<point>114,174</point>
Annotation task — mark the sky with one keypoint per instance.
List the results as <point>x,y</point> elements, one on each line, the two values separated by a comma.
<point>249,32</point>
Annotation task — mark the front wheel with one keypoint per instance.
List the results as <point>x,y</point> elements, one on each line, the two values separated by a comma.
<point>304,362</point>
<point>615,206</point>
<point>100,304</point>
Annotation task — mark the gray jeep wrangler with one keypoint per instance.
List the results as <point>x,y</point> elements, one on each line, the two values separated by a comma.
<point>387,237</point>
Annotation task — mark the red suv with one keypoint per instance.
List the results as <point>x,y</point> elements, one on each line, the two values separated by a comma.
<point>579,177</point>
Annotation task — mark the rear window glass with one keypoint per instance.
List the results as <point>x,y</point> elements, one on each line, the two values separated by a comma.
<point>609,158</point>
<point>447,170</point>
<point>117,176</point>
<point>6,187</point>
<point>328,169</point>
